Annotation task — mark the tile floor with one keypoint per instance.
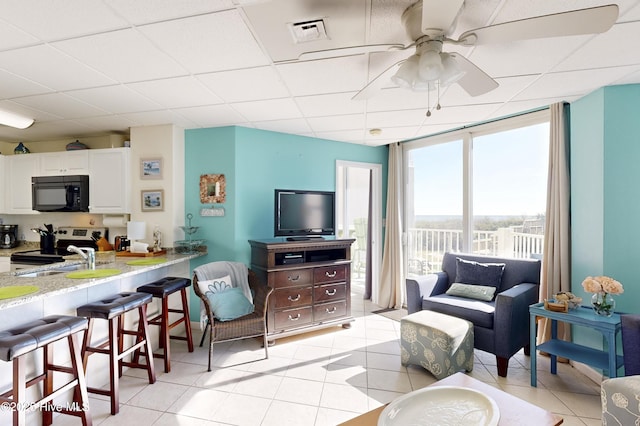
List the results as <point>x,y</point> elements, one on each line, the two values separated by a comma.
<point>321,378</point>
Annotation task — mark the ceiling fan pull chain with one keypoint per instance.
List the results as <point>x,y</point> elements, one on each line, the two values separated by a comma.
<point>428,104</point>
<point>438,105</point>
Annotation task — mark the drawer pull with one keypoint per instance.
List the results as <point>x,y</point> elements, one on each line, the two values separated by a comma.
<point>331,292</point>
<point>332,310</point>
<point>331,275</point>
<point>294,299</point>
<point>296,278</point>
<point>297,317</point>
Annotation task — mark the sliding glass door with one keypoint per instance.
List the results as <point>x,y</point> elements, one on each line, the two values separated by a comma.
<point>479,190</point>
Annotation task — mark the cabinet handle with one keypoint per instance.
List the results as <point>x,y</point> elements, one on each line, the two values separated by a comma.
<point>296,278</point>
<point>332,310</point>
<point>331,275</point>
<point>331,292</point>
<point>294,319</point>
<point>294,299</point>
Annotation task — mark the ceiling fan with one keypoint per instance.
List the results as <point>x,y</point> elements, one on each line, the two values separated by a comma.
<point>430,22</point>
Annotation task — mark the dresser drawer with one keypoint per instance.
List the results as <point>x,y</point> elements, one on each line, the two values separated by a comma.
<point>329,292</point>
<point>292,297</point>
<point>330,274</point>
<point>293,277</point>
<point>329,311</point>
<point>292,318</point>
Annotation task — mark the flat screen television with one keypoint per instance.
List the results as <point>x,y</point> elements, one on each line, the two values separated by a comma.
<point>304,214</point>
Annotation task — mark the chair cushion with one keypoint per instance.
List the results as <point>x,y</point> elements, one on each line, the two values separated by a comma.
<point>113,306</point>
<point>471,272</point>
<point>165,286</point>
<point>472,291</point>
<point>478,312</point>
<point>229,304</point>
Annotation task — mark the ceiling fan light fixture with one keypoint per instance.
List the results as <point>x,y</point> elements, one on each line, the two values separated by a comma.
<point>430,65</point>
<point>407,72</point>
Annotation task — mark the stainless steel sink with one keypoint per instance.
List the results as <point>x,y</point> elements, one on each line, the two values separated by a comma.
<point>55,271</point>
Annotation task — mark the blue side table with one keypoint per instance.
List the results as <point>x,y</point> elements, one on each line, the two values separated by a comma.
<point>609,326</point>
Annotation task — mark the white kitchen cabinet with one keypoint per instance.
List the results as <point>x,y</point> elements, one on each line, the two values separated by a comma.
<point>18,172</point>
<point>110,180</point>
<point>64,163</point>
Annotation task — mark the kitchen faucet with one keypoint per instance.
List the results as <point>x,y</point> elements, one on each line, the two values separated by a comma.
<point>90,255</point>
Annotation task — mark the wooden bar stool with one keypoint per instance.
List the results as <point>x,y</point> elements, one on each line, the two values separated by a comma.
<point>20,341</point>
<point>163,288</point>
<point>113,310</point>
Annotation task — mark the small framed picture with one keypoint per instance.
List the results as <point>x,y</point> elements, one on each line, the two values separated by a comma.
<point>151,168</point>
<point>152,200</point>
<point>213,189</point>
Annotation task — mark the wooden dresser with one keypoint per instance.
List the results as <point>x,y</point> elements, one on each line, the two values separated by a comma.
<point>311,281</point>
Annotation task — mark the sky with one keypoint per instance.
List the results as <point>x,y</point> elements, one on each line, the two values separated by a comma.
<point>509,174</point>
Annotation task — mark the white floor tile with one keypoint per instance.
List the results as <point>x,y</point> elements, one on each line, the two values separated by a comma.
<point>281,413</point>
<point>242,410</point>
<point>300,391</point>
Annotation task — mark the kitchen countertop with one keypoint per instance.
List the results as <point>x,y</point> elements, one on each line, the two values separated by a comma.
<point>23,246</point>
<point>51,285</point>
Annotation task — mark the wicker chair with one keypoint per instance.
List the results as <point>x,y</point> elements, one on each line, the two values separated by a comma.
<point>251,325</point>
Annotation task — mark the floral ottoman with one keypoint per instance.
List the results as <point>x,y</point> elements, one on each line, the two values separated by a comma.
<point>620,400</point>
<point>440,343</point>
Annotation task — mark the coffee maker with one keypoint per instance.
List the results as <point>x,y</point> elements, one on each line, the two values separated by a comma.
<point>8,236</point>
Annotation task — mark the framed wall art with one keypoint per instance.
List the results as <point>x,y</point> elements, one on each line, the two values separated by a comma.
<point>151,168</point>
<point>152,200</point>
<point>212,189</point>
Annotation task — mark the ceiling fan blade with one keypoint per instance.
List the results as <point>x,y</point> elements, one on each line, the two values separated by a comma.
<point>582,21</point>
<point>348,51</point>
<point>439,15</point>
<point>375,85</point>
<point>475,81</point>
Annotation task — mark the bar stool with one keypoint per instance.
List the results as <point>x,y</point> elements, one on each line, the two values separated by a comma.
<point>20,341</point>
<point>113,310</point>
<point>163,288</point>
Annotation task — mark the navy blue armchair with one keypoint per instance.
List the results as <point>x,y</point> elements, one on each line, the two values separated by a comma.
<point>501,325</point>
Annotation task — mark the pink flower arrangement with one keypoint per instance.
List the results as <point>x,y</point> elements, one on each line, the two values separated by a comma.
<point>602,285</point>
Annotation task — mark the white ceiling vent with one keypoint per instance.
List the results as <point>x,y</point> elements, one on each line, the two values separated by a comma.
<point>308,31</point>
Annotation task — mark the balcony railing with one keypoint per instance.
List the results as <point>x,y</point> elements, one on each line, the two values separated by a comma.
<point>425,247</point>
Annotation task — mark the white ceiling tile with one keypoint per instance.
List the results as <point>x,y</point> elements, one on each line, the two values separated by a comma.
<point>344,135</point>
<point>213,42</point>
<point>410,117</point>
<point>64,106</point>
<point>396,133</point>
<point>154,118</point>
<point>145,11</point>
<point>576,83</point>
<point>332,104</point>
<point>177,92</point>
<point>13,86</point>
<point>327,76</point>
<point>386,22</point>
<point>605,51</point>
<point>49,67</point>
<point>272,109</point>
<point>12,37</point>
<point>429,129</point>
<point>245,85</point>
<point>296,126</point>
<point>337,122</point>
<point>107,123</point>
<point>55,20</point>
<point>212,115</point>
<point>125,56</point>
<point>115,99</point>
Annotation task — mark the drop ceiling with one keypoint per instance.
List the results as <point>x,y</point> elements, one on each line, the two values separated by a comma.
<point>90,67</point>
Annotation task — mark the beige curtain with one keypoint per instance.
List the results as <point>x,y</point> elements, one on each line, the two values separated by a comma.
<point>556,263</point>
<point>389,294</point>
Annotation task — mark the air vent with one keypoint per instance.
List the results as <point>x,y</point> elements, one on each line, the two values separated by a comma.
<point>303,32</point>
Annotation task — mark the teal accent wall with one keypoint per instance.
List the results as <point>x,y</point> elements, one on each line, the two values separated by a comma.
<point>605,153</point>
<point>255,162</point>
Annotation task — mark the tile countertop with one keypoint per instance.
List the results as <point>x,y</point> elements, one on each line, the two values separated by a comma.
<point>51,285</point>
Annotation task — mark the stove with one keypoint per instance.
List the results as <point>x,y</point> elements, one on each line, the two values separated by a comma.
<point>77,236</point>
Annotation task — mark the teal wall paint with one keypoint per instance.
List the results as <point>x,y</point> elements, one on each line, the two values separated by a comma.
<point>255,162</point>
<point>605,153</point>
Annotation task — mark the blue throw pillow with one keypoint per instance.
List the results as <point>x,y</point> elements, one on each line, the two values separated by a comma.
<point>229,304</point>
<point>469,272</point>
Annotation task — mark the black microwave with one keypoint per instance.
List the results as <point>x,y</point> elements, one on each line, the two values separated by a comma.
<point>60,193</point>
